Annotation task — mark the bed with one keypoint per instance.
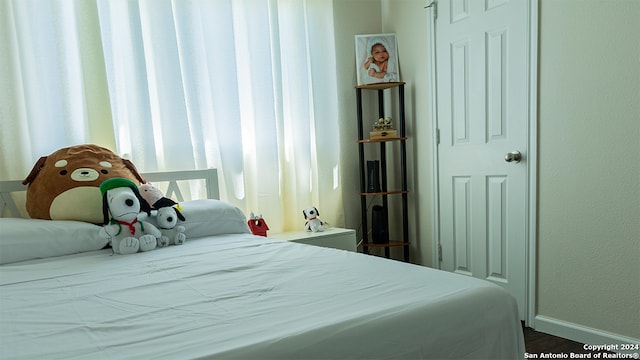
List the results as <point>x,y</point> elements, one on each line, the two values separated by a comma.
<point>227,294</point>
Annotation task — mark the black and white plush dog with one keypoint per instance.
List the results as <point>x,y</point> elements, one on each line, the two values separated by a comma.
<point>122,203</point>
<point>172,234</point>
<point>313,223</point>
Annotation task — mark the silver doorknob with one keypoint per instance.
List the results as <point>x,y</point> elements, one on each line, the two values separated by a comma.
<point>513,156</point>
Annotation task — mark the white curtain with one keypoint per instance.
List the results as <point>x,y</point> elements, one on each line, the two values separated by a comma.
<point>53,90</point>
<point>245,86</point>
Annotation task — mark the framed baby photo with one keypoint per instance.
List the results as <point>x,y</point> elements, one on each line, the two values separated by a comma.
<point>376,59</point>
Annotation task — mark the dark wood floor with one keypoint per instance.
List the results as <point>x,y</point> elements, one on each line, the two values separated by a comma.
<point>537,342</point>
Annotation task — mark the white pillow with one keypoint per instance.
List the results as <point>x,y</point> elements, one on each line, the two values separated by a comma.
<point>210,217</point>
<point>26,239</point>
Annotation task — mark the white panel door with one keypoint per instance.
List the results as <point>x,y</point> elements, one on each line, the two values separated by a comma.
<point>482,114</point>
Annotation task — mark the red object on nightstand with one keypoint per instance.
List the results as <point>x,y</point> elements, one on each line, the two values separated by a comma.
<point>258,227</point>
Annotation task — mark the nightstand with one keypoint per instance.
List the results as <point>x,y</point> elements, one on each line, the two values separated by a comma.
<point>337,238</point>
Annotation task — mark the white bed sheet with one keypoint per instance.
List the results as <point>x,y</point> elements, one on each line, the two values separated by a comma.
<point>240,296</point>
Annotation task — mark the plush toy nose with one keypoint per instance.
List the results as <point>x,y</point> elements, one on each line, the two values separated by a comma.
<point>170,219</point>
<point>129,202</point>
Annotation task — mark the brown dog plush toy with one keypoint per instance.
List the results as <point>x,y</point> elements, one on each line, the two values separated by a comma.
<point>66,184</point>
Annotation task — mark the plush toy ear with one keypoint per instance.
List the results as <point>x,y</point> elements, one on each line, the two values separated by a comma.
<point>105,209</point>
<point>36,169</point>
<point>180,216</point>
<point>144,205</point>
<point>133,169</point>
<point>317,213</point>
<point>304,213</point>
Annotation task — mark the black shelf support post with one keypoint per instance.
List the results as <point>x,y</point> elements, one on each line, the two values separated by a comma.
<point>403,174</point>
<point>363,182</point>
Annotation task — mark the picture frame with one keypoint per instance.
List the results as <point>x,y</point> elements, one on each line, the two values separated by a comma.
<point>372,69</point>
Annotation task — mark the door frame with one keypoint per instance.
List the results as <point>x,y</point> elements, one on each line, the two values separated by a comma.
<point>531,154</point>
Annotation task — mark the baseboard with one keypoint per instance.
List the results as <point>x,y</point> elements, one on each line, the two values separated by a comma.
<point>581,333</point>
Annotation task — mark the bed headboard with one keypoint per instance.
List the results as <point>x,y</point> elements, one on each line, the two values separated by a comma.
<point>178,185</point>
<point>174,180</point>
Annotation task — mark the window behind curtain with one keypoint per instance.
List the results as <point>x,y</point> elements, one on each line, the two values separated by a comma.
<point>247,87</point>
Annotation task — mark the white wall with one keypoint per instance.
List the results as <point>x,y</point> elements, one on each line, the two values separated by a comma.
<point>589,167</point>
<point>588,227</point>
<point>351,17</point>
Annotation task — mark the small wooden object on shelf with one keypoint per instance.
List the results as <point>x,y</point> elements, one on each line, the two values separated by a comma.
<point>383,129</point>
<point>384,134</point>
<point>381,137</point>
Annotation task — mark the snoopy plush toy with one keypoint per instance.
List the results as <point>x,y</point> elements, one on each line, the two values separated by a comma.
<point>313,223</point>
<point>123,202</point>
<point>167,214</point>
<point>172,233</point>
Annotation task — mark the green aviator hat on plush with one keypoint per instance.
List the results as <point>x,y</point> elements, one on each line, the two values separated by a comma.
<point>117,183</point>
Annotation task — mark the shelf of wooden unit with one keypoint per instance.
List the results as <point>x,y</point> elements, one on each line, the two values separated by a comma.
<point>393,192</point>
<point>380,140</point>
<point>380,86</point>
<point>389,244</point>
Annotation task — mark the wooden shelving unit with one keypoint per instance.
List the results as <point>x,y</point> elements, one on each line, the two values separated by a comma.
<point>385,193</point>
